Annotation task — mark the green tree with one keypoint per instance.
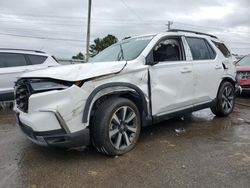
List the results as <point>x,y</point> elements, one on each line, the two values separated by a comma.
<point>79,56</point>
<point>101,43</point>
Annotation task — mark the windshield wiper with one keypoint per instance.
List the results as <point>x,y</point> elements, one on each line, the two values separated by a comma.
<point>120,54</point>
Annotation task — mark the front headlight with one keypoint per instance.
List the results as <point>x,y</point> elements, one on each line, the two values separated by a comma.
<point>48,85</point>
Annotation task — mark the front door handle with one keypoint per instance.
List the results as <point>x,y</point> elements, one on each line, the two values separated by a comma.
<point>186,70</point>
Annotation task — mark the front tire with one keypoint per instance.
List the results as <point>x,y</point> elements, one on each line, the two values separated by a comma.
<point>225,100</point>
<point>116,126</point>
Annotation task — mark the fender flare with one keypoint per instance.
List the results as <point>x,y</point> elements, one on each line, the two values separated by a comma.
<point>226,78</point>
<point>91,99</point>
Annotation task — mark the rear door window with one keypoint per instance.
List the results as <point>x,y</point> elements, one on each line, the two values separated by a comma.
<point>36,59</point>
<point>12,60</point>
<point>200,49</point>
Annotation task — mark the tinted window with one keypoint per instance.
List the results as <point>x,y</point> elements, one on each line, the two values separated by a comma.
<point>12,60</point>
<point>167,50</point>
<point>224,50</point>
<point>200,49</point>
<point>36,59</point>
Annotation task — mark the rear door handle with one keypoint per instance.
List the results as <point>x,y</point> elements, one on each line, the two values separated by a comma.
<point>186,70</point>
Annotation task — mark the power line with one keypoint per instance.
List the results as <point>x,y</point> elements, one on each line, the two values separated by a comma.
<point>43,38</point>
<point>53,32</point>
<point>220,29</point>
<point>131,10</point>
<point>135,14</point>
<point>241,48</point>
<point>152,22</point>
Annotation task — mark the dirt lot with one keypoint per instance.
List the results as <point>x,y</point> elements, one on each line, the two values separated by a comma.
<point>206,152</point>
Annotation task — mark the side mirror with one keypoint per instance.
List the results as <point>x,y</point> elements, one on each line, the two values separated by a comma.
<point>150,59</point>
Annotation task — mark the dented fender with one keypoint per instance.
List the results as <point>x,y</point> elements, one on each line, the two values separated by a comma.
<point>109,89</point>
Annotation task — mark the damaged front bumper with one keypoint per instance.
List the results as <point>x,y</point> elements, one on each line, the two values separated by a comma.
<point>55,138</point>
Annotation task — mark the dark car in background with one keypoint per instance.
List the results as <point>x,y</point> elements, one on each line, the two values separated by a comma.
<point>243,73</point>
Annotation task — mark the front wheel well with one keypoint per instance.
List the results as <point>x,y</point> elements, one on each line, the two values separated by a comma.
<point>133,96</point>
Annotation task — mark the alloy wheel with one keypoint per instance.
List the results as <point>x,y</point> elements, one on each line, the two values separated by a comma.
<point>123,128</point>
<point>228,99</point>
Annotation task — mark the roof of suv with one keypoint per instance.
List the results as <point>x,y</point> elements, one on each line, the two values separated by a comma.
<point>22,51</point>
<point>192,34</point>
<point>180,32</point>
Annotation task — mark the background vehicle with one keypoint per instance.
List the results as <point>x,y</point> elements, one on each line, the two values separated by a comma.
<point>134,83</point>
<point>243,73</point>
<point>14,62</point>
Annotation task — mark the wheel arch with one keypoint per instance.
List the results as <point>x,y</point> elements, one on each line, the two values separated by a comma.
<point>226,79</point>
<point>117,89</point>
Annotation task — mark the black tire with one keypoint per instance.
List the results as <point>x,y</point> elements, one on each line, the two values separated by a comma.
<point>105,124</point>
<point>225,100</point>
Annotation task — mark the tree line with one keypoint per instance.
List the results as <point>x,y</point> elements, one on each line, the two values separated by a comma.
<point>98,45</point>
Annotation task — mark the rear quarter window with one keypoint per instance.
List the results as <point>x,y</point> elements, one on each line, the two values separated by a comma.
<point>36,59</point>
<point>222,47</point>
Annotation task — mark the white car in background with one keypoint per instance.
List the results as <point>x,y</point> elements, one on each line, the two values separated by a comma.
<point>15,62</point>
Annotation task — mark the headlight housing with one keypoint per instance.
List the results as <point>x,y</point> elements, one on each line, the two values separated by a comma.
<point>42,85</point>
<point>39,85</point>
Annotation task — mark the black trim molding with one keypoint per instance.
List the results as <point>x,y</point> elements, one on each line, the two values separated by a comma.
<point>157,119</point>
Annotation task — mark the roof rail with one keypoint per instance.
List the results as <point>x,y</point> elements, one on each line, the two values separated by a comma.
<point>37,51</point>
<point>188,31</point>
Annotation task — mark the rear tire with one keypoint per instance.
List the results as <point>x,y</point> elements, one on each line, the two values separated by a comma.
<point>225,100</point>
<point>116,126</point>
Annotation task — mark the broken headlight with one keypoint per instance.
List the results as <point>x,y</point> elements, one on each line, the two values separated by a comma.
<point>48,85</point>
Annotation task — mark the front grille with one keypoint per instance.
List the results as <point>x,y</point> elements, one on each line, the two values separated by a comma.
<point>22,94</point>
<point>244,75</point>
<point>245,87</point>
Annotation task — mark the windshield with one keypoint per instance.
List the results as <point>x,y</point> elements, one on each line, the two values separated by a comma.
<point>123,51</point>
<point>244,61</point>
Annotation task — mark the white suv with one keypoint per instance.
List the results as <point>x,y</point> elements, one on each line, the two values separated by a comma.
<point>134,83</point>
<point>14,62</point>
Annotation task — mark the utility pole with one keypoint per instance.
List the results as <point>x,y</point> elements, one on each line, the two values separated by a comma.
<point>88,30</point>
<point>169,25</point>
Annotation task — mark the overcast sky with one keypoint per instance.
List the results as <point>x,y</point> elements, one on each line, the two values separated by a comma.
<point>59,26</point>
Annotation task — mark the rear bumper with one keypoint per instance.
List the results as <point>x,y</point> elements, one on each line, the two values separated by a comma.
<point>245,84</point>
<point>55,138</point>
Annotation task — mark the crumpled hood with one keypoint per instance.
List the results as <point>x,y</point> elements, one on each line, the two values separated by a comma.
<point>78,71</point>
